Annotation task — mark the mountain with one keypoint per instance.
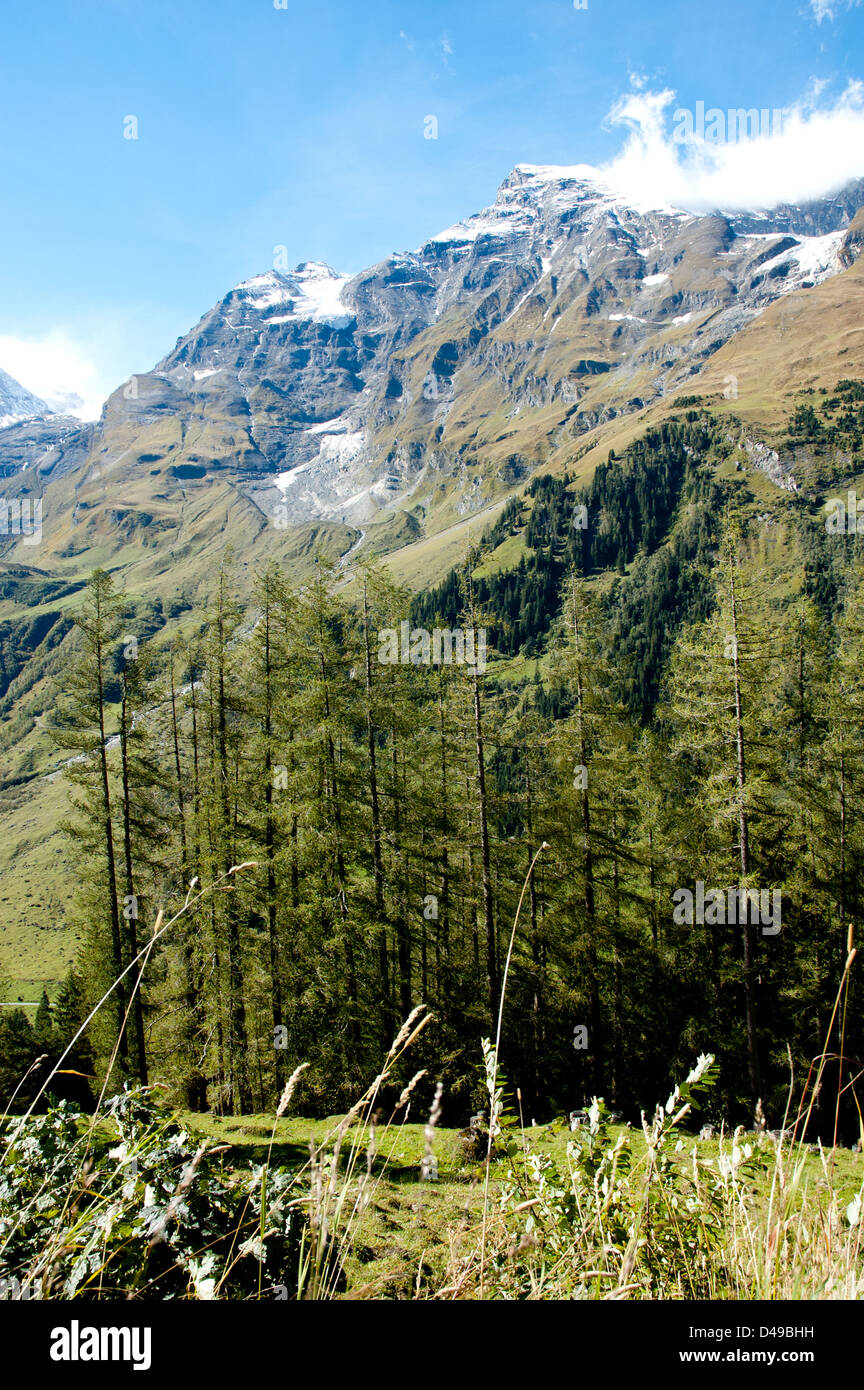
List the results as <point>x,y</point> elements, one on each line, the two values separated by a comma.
<point>17,403</point>
<point>403,400</point>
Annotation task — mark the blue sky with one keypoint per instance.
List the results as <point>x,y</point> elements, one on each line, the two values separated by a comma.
<point>304,126</point>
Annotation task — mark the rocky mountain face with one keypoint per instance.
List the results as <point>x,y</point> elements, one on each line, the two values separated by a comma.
<point>432,383</point>
<point>31,433</point>
<point>37,440</point>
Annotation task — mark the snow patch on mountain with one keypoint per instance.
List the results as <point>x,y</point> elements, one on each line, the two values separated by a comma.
<point>810,261</point>
<point>334,426</point>
<point>818,255</point>
<point>338,447</point>
<point>313,291</point>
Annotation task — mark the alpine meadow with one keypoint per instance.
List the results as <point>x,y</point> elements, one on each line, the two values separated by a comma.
<point>432,696</point>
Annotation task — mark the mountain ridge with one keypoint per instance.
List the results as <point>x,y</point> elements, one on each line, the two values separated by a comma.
<point>400,402</point>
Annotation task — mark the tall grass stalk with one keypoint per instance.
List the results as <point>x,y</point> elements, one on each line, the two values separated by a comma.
<point>494,1074</point>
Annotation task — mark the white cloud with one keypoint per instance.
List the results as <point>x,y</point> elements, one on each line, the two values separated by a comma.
<point>824,9</point>
<point>55,369</point>
<point>446,47</point>
<point>818,148</point>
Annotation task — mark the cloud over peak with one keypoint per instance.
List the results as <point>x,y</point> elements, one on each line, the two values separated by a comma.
<point>707,157</point>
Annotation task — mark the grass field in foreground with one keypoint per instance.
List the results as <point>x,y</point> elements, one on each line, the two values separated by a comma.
<point>408,1238</point>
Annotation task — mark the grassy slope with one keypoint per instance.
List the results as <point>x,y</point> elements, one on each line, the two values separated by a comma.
<point>806,340</point>
<point>37,946</point>
<point>429,559</point>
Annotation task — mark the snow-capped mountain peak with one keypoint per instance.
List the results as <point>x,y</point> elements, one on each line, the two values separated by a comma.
<point>17,403</point>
